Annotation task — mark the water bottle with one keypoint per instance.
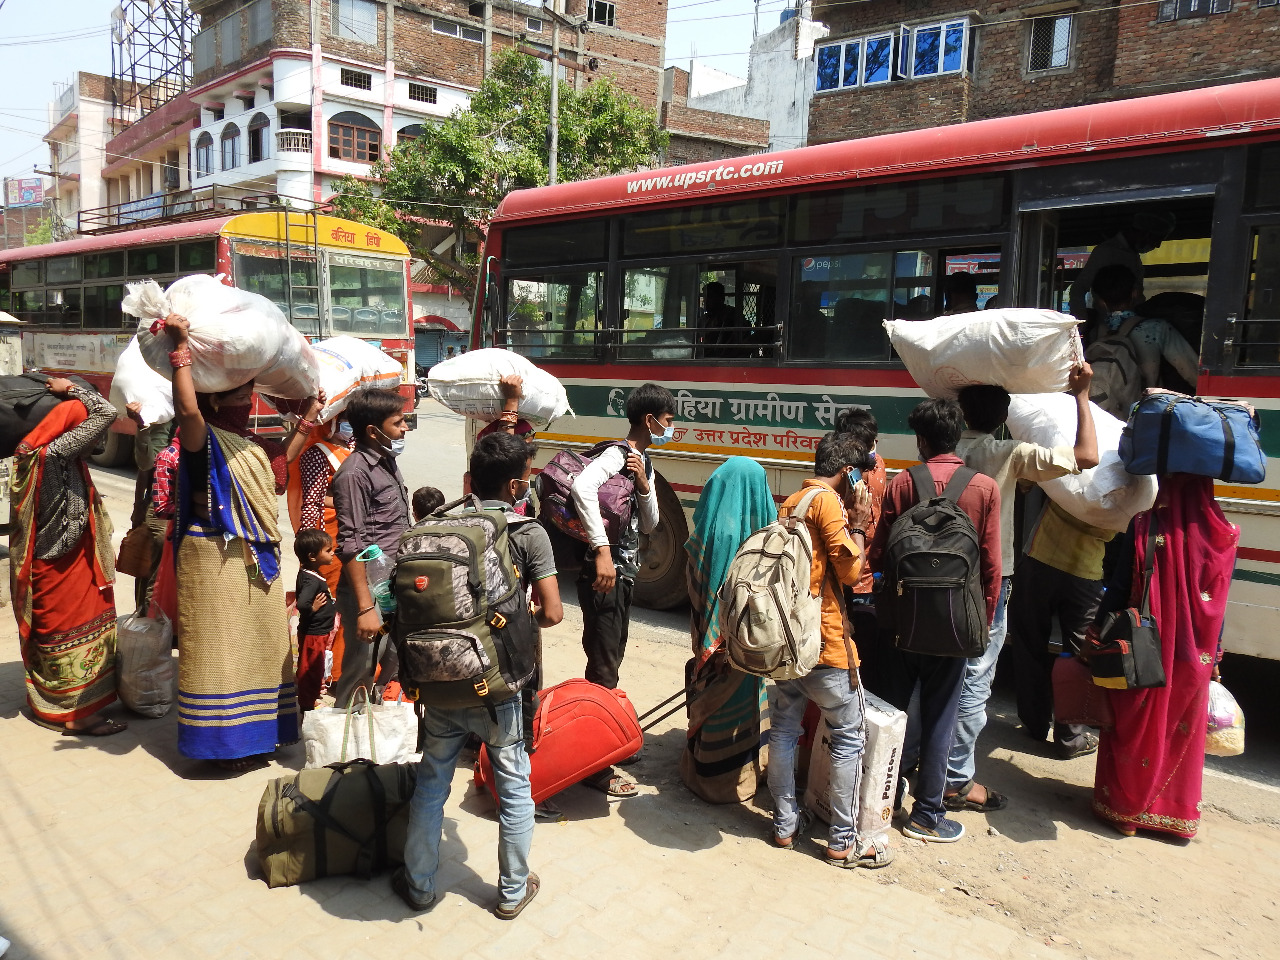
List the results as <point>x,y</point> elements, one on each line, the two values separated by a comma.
<point>378,570</point>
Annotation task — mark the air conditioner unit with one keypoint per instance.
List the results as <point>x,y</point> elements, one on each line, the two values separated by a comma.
<point>172,178</point>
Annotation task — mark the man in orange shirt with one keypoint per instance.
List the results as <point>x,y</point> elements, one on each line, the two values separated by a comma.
<point>839,545</point>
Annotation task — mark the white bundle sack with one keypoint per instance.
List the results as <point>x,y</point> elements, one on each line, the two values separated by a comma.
<point>381,732</point>
<point>347,364</point>
<point>1022,350</point>
<point>147,673</point>
<point>135,382</point>
<point>1106,496</point>
<point>235,336</point>
<point>468,384</point>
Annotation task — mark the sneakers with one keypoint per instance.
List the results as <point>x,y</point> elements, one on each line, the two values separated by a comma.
<point>947,831</point>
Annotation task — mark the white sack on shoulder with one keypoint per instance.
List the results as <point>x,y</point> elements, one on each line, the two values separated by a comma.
<point>235,336</point>
<point>348,364</point>
<point>1107,496</point>
<point>135,382</point>
<point>1022,350</point>
<point>468,384</point>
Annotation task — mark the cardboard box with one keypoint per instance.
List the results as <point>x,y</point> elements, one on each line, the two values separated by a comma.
<point>886,729</point>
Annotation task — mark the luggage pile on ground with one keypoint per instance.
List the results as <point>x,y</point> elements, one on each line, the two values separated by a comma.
<point>235,337</point>
<point>135,382</point>
<point>1022,350</point>
<point>468,384</point>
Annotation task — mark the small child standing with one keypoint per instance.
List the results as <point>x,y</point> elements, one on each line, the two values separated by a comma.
<point>425,501</point>
<point>317,615</point>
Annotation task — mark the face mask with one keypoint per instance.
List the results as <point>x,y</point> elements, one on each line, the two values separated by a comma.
<point>658,439</point>
<point>236,416</point>
<point>344,431</point>
<point>396,446</point>
<point>874,457</point>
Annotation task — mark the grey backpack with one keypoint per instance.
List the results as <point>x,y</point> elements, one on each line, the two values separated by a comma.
<point>1117,377</point>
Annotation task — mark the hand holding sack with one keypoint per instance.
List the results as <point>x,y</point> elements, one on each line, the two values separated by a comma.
<point>1022,350</point>
<point>468,384</point>
<point>235,336</point>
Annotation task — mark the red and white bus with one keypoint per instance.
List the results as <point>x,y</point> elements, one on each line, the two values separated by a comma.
<point>603,283</point>
<point>329,276</point>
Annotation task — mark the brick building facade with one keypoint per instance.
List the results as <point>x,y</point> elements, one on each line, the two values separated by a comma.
<point>701,135</point>
<point>906,64</point>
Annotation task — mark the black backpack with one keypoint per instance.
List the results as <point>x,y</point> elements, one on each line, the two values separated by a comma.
<point>933,574</point>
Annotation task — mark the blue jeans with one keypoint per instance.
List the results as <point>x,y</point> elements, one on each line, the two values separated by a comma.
<point>974,694</point>
<point>446,731</point>
<point>841,706</point>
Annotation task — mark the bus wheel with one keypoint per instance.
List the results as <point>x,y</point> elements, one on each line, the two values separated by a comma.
<point>117,451</point>
<point>661,583</point>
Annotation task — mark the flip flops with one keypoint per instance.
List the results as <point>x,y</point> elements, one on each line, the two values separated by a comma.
<point>102,727</point>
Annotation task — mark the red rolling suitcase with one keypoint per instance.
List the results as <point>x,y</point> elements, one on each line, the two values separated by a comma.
<point>581,728</point>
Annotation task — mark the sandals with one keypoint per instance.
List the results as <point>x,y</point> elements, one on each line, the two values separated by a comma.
<point>614,784</point>
<point>102,727</point>
<point>960,800</point>
<point>531,887</point>
<point>803,819</point>
<point>874,855</point>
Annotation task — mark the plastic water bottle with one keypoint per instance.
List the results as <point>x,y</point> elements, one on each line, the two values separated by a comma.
<point>377,570</point>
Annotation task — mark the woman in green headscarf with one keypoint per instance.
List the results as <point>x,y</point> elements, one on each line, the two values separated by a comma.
<point>724,760</point>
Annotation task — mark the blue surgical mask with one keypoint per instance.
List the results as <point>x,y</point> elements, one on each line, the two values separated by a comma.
<point>344,431</point>
<point>395,448</point>
<point>658,439</point>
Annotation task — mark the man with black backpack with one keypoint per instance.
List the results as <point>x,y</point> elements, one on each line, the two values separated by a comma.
<point>938,546</point>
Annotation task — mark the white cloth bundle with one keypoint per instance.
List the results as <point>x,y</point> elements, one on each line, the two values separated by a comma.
<point>235,336</point>
<point>135,382</point>
<point>1107,496</point>
<point>1022,350</point>
<point>346,365</point>
<point>468,384</point>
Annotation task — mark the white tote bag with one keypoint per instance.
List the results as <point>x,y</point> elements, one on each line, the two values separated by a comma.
<point>381,732</point>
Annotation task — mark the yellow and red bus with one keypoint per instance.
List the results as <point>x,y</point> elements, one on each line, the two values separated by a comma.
<point>329,276</point>
<point>604,284</point>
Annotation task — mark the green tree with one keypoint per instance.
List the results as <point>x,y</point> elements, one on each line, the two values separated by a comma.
<point>459,170</point>
<point>42,232</point>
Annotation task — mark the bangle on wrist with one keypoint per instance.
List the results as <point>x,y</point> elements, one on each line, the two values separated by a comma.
<point>859,530</point>
<point>361,613</point>
<point>180,358</point>
<point>305,424</point>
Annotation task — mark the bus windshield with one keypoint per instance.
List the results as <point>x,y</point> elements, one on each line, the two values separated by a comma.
<point>367,296</point>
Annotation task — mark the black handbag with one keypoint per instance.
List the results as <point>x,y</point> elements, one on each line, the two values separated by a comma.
<point>1125,653</point>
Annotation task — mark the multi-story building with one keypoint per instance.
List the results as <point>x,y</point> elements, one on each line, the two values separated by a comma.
<point>906,64</point>
<point>80,124</point>
<point>698,135</point>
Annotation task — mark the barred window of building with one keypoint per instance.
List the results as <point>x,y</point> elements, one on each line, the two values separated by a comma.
<point>1189,9</point>
<point>1050,43</point>
<point>355,20</point>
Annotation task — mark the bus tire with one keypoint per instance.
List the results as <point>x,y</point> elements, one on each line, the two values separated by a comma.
<point>117,451</point>
<point>661,582</point>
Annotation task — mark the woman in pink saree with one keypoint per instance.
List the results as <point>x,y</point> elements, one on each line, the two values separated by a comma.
<point>1151,765</point>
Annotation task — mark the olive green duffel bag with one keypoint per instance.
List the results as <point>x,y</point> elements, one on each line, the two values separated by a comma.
<point>346,818</point>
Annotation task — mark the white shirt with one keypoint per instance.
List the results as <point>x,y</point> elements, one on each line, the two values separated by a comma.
<point>586,500</point>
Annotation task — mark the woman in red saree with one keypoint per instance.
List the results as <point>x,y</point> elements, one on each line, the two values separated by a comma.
<point>1151,765</point>
<point>63,568</point>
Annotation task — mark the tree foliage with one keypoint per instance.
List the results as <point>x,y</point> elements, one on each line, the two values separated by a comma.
<point>458,170</point>
<point>40,232</point>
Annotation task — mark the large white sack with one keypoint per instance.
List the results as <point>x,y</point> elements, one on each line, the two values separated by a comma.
<point>1107,496</point>
<point>468,384</point>
<point>235,337</point>
<point>1022,350</point>
<point>348,364</point>
<point>135,382</point>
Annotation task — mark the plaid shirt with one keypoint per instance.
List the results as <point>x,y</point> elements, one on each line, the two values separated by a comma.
<point>164,480</point>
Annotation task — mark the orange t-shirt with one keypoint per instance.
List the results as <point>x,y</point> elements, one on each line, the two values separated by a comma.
<point>829,530</point>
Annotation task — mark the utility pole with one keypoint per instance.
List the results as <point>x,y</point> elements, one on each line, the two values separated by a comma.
<point>755,28</point>
<point>555,93</point>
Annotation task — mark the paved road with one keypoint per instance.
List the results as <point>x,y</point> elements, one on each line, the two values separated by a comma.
<point>121,848</point>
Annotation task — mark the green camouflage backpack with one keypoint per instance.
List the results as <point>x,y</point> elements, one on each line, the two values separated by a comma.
<point>462,625</point>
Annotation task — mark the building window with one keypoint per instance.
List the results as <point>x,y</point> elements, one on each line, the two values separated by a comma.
<point>229,39</point>
<point>259,130</point>
<point>230,147</point>
<point>203,51</point>
<point>1190,9</point>
<point>422,93</point>
<point>1050,43</point>
<point>356,78</point>
<point>534,24</point>
<point>601,12</point>
<point>863,62</point>
<point>450,29</point>
<point>353,136</point>
<point>938,48</point>
<point>204,155</point>
<point>259,22</point>
<point>1268,3</point>
<point>355,20</point>
<point>406,134</point>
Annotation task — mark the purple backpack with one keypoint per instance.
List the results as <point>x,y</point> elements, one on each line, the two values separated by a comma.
<point>555,496</point>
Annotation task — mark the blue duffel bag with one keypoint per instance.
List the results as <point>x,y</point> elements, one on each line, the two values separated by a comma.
<point>1173,433</point>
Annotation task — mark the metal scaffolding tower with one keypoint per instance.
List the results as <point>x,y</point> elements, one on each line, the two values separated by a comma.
<point>150,55</point>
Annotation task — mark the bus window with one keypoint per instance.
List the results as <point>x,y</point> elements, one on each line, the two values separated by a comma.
<point>581,241</point>
<point>913,297</point>
<point>1260,333</point>
<point>658,303</point>
<point>29,273</point>
<point>198,257</point>
<point>28,305</point>
<point>260,269</point>
<point>980,293</point>
<point>102,306</point>
<point>710,228</point>
<point>557,315</point>
<point>63,307</point>
<point>63,269</point>
<point>152,261</point>
<point>839,305</point>
<point>104,266</point>
<point>373,290</point>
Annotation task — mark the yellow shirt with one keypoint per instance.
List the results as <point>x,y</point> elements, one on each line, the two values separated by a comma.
<point>1070,545</point>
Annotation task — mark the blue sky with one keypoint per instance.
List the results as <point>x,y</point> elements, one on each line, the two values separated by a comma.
<point>39,49</point>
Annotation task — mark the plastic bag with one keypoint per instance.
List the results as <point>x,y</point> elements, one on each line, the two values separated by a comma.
<point>1226,723</point>
<point>381,732</point>
<point>235,337</point>
<point>1022,350</point>
<point>147,672</point>
<point>135,382</point>
<point>1106,496</point>
<point>468,384</point>
<point>347,365</point>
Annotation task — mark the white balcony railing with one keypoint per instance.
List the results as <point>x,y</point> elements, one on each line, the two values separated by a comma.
<point>293,141</point>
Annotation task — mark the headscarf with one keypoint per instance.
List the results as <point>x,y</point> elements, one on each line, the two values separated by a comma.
<point>735,503</point>
<point>235,419</point>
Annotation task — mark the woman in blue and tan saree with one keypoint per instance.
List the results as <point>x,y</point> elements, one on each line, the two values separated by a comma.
<point>236,696</point>
<point>723,759</point>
